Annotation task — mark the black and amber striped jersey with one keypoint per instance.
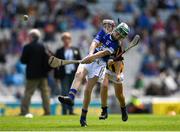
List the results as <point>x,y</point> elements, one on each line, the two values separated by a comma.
<point>116,65</point>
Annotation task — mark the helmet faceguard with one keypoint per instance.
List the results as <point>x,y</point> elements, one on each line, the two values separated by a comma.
<point>122,29</point>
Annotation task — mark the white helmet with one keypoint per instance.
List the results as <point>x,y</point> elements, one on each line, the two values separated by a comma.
<point>123,29</point>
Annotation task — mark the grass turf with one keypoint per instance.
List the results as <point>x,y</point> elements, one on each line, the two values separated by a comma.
<point>71,123</point>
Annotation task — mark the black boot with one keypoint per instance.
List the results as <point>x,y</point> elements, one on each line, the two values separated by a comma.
<point>66,100</point>
<point>104,114</point>
<point>124,114</point>
<point>83,118</point>
<point>83,123</point>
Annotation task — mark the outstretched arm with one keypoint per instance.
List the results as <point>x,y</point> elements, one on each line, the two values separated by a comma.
<point>92,57</point>
<point>96,41</point>
<point>92,48</point>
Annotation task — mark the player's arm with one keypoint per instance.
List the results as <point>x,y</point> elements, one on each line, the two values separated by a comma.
<point>96,41</point>
<point>107,51</point>
<point>100,54</point>
<point>97,55</point>
<point>93,46</point>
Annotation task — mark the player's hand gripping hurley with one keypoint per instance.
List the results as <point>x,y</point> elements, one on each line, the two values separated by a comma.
<point>132,44</point>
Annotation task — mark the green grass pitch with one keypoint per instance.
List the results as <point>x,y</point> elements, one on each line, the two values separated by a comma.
<point>71,123</point>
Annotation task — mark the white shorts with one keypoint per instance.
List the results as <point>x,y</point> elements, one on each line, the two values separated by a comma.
<point>96,68</point>
<point>112,77</point>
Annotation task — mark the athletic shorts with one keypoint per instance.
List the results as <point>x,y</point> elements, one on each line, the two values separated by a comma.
<point>113,77</point>
<point>96,68</point>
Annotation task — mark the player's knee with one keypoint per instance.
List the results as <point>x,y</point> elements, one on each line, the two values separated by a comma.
<point>78,75</point>
<point>104,86</point>
<point>88,91</point>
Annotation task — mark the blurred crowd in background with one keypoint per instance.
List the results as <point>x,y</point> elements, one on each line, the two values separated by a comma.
<point>157,22</point>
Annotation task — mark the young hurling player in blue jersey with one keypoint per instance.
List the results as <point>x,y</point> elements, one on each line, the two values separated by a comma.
<point>108,26</point>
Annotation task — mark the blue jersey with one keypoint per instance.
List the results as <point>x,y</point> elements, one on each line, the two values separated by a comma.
<point>106,42</point>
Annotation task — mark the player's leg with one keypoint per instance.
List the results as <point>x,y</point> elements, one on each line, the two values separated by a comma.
<point>29,90</point>
<point>79,76</point>
<point>87,98</point>
<point>120,96</point>
<point>104,96</point>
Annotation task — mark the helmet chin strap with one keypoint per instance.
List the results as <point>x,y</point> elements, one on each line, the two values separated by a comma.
<point>112,36</point>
